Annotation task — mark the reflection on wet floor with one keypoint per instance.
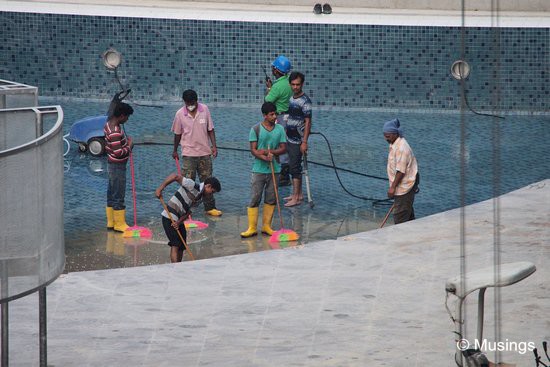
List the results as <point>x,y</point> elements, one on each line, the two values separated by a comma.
<point>104,249</point>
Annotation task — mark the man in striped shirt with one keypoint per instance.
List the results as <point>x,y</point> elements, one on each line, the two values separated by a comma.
<point>189,195</point>
<point>118,148</point>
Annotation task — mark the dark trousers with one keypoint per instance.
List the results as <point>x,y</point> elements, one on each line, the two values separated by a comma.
<point>403,210</point>
<point>294,160</point>
<point>173,237</point>
<point>116,190</point>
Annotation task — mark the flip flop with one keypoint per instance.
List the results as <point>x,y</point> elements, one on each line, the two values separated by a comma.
<point>290,204</point>
<point>317,9</point>
<point>288,198</point>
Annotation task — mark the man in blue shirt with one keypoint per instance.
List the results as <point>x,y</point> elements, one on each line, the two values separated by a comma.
<point>298,128</point>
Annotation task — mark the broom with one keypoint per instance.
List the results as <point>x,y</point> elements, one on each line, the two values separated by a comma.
<point>387,216</point>
<point>135,230</point>
<point>282,235</point>
<point>190,223</point>
<point>177,230</point>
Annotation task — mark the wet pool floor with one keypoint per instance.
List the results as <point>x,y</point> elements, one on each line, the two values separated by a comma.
<point>102,249</point>
<point>357,145</point>
<point>90,246</point>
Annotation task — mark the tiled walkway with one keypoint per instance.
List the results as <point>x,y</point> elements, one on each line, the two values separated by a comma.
<point>370,299</point>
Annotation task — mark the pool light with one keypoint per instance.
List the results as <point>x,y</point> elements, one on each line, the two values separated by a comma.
<point>460,69</point>
<point>111,58</point>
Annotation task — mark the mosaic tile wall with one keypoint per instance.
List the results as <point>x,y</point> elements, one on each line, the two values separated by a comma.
<point>358,66</point>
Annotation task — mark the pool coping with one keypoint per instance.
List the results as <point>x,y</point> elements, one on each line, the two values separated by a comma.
<point>281,13</point>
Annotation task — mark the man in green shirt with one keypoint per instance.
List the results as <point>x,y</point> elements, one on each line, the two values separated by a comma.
<point>279,93</point>
<point>267,140</point>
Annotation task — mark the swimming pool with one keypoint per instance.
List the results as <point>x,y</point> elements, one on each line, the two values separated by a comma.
<point>357,144</point>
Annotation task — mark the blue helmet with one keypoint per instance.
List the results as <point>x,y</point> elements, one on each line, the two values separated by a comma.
<point>282,63</point>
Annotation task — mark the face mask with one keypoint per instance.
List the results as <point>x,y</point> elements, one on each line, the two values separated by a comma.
<point>191,108</point>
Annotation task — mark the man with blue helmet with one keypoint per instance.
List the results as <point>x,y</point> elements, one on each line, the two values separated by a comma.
<point>279,93</point>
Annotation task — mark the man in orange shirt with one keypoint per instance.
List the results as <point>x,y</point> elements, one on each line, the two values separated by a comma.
<point>402,172</point>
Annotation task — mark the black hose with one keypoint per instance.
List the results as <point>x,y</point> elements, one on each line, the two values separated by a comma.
<point>129,100</point>
<point>479,113</point>
<point>465,96</point>
<point>333,166</point>
<point>374,200</point>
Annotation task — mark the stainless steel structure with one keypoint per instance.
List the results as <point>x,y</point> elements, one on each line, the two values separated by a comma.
<point>32,249</point>
<point>16,95</point>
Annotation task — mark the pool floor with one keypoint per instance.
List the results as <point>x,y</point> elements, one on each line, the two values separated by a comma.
<point>499,156</point>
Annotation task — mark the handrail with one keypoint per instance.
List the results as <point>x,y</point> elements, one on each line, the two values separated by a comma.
<point>42,138</point>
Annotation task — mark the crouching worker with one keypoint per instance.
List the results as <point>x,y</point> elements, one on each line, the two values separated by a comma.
<point>189,195</point>
<point>267,141</point>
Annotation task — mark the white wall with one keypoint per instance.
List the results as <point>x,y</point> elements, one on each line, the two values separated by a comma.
<point>504,5</point>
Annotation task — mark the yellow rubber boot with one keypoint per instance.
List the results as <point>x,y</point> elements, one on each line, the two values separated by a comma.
<point>120,220</point>
<point>110,217</point>
<point>252,223</point>
<point>267,217</point>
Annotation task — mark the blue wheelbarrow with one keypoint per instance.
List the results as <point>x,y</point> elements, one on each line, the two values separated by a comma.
<point>88,132</point>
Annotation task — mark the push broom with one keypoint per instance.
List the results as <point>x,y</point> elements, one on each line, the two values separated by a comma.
<point>177,230</point>
<point>387,216</point>
<point>190,223</point>
<point>135,230</point>
<point>282,235</point>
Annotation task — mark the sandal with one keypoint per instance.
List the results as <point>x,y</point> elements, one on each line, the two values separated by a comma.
<point>317,9</point>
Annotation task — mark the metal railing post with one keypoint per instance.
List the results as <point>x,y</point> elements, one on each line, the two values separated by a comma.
<point>43,327</point>
<point>5,335</point>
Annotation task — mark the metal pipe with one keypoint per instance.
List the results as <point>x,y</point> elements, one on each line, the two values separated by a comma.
<point>480,308</point>
<point>5,335</point>
<point>39,125</point>
<point>5,320</point>
<point>308,190</point>
<point>43,327</point>
<point>459,330</point>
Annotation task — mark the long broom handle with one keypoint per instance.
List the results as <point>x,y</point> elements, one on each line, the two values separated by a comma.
<point>387,216</point>
<point>177,230</point>
<point>133,186</point>
<point>276,192</point>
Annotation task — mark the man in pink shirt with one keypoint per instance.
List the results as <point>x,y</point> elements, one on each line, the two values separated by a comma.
<point>194,131</point>
<point>402,173</point>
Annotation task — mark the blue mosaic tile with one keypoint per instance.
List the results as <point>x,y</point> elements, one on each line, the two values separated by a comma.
<point>355,66</point>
